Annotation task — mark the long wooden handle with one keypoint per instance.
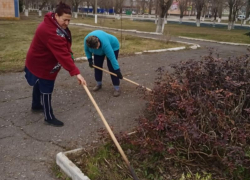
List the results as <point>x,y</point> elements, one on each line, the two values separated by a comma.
<point>111,133</point>
<point>123,77</point>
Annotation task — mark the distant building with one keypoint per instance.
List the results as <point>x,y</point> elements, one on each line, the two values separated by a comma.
<point>9,9</point>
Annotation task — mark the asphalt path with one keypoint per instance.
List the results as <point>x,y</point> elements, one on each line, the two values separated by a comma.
<point>28,147</point>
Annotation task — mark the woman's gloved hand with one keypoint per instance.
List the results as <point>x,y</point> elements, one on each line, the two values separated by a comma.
<point>119,74</point>
<point>90,63</point>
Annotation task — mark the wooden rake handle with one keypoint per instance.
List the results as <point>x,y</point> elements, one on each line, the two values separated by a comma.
<point>123,77</point>
<point>111,133</point>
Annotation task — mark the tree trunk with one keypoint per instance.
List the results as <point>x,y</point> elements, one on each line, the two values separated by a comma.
<point>42,6</point>
<point>76,7</point>
<point>93,7</point>
<point>198,22</point>
<point>181,14</point>
<point>88,7</point>
<point>220,11</point>
<point>160,23</point>
<point>155,18</point>
<point>229,25</point>
<point>247,9</point>
<point>163,24</point>
<point>143,6</point>
<point>181,20</point>
<point>230,19</point>
<point>150,6</point>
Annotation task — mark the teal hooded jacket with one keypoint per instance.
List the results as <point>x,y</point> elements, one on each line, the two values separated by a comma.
<point>109,44</point>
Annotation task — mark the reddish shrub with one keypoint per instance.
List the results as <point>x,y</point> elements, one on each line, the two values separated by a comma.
<point>200,115</point>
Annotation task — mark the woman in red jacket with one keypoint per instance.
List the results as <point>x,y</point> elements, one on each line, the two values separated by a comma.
<point>49,50</point>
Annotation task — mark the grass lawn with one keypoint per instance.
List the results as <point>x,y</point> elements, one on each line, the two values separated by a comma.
<point>16,36</point>
<point>217,34</point>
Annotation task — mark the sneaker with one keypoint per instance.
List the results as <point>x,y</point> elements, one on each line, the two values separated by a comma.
<point>117,93</point>
<point>97,88</point>
<point>54,122</point>
<point>37,109</point>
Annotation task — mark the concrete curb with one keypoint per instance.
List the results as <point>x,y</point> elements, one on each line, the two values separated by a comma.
<point>126,30</point>
<point>219,42</point>
<point>69,167</point>
<point>163,50</point>
<point>182,37</point>
<point>192,45</point>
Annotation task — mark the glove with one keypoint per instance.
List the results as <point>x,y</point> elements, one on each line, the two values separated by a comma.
<point>119,74</point>
<point>90,63</point>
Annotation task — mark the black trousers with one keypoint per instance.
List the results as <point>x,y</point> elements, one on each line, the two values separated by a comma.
<point>98,61</point>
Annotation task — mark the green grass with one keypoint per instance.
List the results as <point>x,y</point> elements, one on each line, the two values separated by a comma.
<point>58,173</point>
<point>217,34</point>
<point>102,163</point>
<point>210,33</point>
<point>105,163</point>
<point>16,36</point>
<point>15,40</point>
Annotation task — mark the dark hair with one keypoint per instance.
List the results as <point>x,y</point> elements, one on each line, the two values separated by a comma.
<point>92,42</point>
<point>62,8</point>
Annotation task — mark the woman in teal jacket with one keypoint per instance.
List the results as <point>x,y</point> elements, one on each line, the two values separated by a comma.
<point>102,44</point>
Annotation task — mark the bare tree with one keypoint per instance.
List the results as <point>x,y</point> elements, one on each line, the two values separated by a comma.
<point>118,6</point>
<point>43,4</point>
<point>205,10</point>
<point>92,3</point>
<point>34,4</point>
<point>150,6</point>
<point>189,7</point>
<point>247,17</point>
<point>53,3</point>
<point>106,4</point>
<point>143,4</point>
<point>220,9</point>
<point>163,7</point>
<point>247,9</point>
<point>234,6</point>
<point>75,4</point>
<point>138,7</point>
<point>199,4</point>
<point>132,5</point>
<point>156,10</point>
<point>182,7</point>
<point>27,3</point>
<point>215,9</point>
<point>88,4</point>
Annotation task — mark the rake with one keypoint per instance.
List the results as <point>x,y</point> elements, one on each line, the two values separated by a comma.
<point>123,77</point>
<point>111,134</point>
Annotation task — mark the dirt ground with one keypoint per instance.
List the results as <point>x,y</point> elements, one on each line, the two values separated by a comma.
<point>28,146</point>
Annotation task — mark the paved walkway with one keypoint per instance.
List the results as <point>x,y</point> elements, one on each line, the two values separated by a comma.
<point>28,147</point>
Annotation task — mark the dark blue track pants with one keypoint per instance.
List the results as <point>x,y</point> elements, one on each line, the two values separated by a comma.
<point>44,99</point>
<point>41,95</point>
<point>98,61</point>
